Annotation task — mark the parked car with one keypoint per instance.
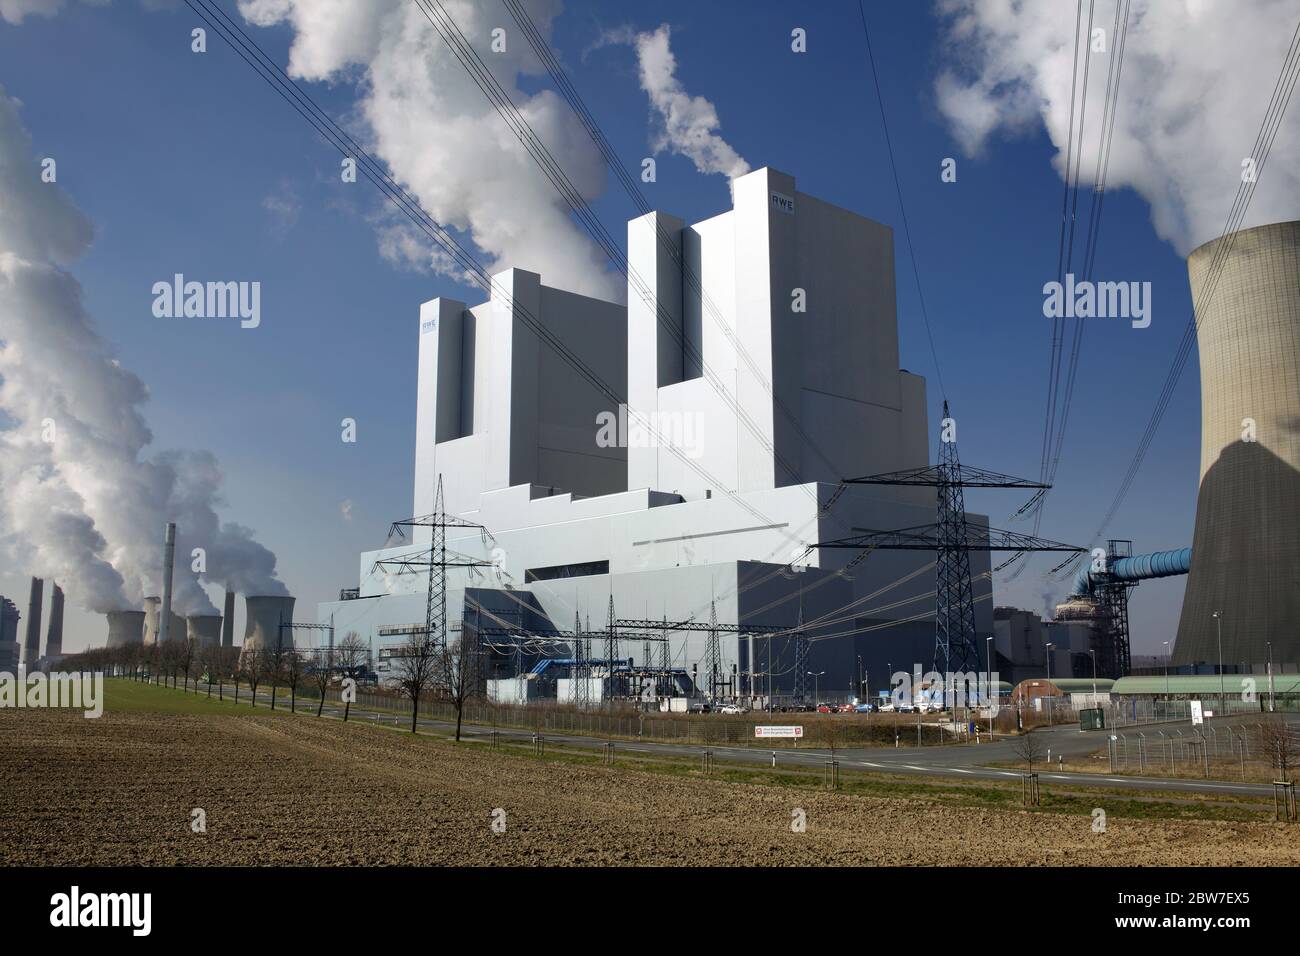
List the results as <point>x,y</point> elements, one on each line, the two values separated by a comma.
<point>733,709</point>
<point>865,709</point>
<point>825,709</point>
<point>887,708</point>
<point>845,708</point>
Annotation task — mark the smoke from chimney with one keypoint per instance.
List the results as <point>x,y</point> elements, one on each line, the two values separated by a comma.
<point>83,491</point>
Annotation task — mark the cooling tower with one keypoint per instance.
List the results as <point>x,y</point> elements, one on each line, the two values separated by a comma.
<point>150,629</point>
<point>54,634</point>
<point>203,630</point>
<point>1246,546</point>
<point>263,617</point>
<point>125,627</point>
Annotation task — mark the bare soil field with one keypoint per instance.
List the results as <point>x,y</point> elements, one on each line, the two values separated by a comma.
<point>297,790</point>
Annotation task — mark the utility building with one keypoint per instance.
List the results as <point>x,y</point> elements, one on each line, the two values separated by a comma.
<point>754,367</point>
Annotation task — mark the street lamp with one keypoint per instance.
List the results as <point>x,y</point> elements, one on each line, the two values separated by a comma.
<point>1218,626</point>
<point>988,681</point>
<point>817,694</point>
<point>1270,676</point>
<point>1050,645</point>
<point>1093,652</point>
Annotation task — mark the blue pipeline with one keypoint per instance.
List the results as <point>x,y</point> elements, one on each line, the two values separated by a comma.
<point>1157,564</point>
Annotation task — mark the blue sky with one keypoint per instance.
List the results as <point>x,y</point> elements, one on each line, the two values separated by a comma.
<point>174,157</point>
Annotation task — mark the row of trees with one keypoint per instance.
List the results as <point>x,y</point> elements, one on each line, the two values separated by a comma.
<point>423,669</point>
<point>186,662</point>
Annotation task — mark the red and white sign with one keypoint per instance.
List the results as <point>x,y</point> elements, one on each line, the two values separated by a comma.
<point>770,731</point>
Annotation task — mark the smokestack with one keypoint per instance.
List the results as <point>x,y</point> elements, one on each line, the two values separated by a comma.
<point>150,627</point>
<point>32,646</point>
<point>125,627</point>
<point>265,614</point>
<point>204,630</point>
<point>228,621</point>
<point>54,634</point>
<point>169,559</point>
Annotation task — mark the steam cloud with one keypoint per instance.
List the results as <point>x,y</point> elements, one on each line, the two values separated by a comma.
<point>1195,86</point>
<point>687,125</point>
<point>444,141</point>
<point>82,502</point>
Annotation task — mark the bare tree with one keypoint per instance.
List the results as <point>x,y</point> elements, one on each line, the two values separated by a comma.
<point>830,730</point>
<point>418,663</point>
<point>293,667</point>
<point>186,652</point>
<point>350,659</point>
<point>322,672</point>
<point>1282,744</point>
<point>273,663</point>
<point>252,664</point>
<point>459,667</point>
<point>1029,748</point>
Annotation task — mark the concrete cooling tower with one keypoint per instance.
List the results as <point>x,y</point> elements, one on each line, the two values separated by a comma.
<point>153,621</point>
<point>263,617</point>
<point>1246,546</point>
<point>203,630</point>
<point>125,627</point>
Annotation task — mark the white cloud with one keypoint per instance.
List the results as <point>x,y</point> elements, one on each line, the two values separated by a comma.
<point>84,497</point>
<point>443,140</point>
<point>1196,81</point>
<point>684,124</point>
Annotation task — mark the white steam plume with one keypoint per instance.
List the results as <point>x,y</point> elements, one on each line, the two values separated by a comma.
<point>1195,86</point>
<point>684,124</point>
<point>443,140</point>
<point>82,502</point>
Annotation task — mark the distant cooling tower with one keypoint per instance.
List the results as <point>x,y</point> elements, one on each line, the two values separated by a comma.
<point>150,631</point>
<point>125,627</point>
<point>204,630</point>
<point>264,615</point>
<point>1246,547</point>
<point>54,634</point>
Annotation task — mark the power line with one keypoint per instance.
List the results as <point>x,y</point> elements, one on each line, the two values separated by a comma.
<point>902,209</point>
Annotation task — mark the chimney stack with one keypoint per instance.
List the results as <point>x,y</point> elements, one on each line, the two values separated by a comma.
<point>169,559</point>
<point>228,621</point>
<point>32,646</point>
<point>54,634</point>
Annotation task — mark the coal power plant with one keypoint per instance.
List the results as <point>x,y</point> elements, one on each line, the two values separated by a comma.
<point>764,532</point>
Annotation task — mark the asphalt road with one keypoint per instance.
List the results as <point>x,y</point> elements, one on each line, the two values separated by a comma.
<point>968,761</point>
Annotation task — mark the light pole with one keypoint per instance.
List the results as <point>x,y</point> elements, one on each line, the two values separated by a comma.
<point>1093,652</point>
<point>817,694</point>
<point>1218,626</point>
<point>1270,676</point>
<point>1050,645</point>
<point>988,682</point>
<point>859,673</point>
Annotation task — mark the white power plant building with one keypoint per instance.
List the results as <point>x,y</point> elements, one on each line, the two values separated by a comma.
<point>758,354</point>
